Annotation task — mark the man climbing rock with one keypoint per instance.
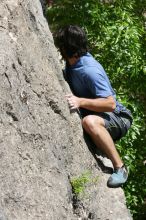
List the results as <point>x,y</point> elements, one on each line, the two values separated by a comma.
<point>103,117</point>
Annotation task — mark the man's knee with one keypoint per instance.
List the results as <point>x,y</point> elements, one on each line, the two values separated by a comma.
<point>92,123</point>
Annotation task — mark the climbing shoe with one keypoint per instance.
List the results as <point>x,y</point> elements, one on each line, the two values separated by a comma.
<point>118,177</point>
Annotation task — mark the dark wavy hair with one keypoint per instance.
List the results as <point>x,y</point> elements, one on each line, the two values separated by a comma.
<point>71,40</point>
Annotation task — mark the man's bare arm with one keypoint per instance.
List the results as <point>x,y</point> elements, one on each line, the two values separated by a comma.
<point>98,104</point>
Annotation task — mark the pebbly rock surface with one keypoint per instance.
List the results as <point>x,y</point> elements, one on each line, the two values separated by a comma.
<point>42,146</point>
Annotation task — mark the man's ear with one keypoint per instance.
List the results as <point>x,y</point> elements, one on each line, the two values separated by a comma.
<point>76,56</point>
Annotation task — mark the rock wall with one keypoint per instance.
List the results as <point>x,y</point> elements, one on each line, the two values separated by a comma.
<point>41,144</point>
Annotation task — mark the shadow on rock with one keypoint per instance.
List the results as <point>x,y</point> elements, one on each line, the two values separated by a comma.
<point>102,161</point>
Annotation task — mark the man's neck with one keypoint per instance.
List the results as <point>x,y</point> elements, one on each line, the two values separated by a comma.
<point>73,60</point>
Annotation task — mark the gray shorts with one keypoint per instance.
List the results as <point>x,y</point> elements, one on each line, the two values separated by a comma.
<point>116,124</point>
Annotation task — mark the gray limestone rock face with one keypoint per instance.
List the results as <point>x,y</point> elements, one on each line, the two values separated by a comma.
<point>42,145</point>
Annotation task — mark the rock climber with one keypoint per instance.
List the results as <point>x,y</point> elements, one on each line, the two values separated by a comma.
<point>104,118</point>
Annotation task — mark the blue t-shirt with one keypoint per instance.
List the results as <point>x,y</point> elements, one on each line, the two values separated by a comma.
<point>88,79</point>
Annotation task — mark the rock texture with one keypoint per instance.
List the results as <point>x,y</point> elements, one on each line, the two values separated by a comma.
<point>41,144</point>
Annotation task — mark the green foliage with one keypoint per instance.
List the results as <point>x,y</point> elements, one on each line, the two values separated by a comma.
<point>116,35</point>
<point>133,151</point>
<point>79,183</point>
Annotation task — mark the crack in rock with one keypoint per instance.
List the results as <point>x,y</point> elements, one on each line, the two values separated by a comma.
<point>6,75</point>
<point>54,106</point>
<point>14,117</point>
<point>79,208</point>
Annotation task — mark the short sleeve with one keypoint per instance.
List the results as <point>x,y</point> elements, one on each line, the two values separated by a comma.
<point>98,84</point>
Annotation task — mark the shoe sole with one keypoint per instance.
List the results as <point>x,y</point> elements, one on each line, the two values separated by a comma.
<point>115,186</point>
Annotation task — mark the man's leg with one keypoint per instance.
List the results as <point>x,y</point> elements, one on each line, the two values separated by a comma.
<point>95,127</point>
